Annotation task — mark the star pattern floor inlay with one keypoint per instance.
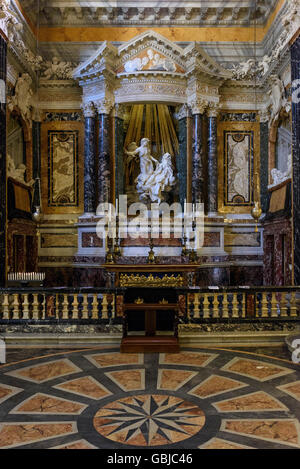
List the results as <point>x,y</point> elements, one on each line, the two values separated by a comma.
<point>196,399</point>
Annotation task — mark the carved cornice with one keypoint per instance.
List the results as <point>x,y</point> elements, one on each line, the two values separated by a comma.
<point>140,13</point>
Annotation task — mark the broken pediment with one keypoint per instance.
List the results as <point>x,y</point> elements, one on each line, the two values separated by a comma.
<point>149,53</point>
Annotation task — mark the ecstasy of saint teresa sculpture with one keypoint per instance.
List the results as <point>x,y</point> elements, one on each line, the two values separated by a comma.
<point>151,183</point>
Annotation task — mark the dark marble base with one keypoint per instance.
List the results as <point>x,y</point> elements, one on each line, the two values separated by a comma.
<point>96,277</point>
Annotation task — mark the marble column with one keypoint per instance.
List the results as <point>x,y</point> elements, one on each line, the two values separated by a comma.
<point>264,157</point>
<point>181,159</point>
<point>198,163</point>
<point>120,113</point>
<point>3,182</point>
<point>104,150</point>
<point>90,158</point>
<point>295,62</point>
<point>212,163</point>
<point>36,146</point>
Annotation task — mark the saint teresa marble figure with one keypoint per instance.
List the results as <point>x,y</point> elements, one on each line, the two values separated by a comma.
<point>151,183</point>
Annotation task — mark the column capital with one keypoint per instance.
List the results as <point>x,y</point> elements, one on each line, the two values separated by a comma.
<point>182,112</point>
<point>213,109</point>
<point>198,105</point>
<point>264,116</point>
<point>104,106</point>
<point>88,109</point>
<point>120,111</point>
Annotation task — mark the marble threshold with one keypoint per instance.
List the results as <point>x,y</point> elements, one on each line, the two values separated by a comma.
<point>257,339</point>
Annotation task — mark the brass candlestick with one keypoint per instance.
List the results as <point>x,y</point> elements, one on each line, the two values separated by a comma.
<point>151,256</point>
<point>184,251</point>
<point>117,250</point>
<point>109,259</point>
<point>256,214</point>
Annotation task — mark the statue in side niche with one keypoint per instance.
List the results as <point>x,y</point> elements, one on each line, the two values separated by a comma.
<point>17,173</point>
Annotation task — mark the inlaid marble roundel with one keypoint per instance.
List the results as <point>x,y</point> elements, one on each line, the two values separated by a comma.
<point>149,420</point>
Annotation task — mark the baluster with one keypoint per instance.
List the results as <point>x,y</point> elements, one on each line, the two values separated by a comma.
<point>57,306</point>
<point>240,298</point>
<point>258,299</point>
<point>75,309</point>
<point>229,304</point>
<point>196,306</point>
<point>110,305</point>
<point>206,305</point>
<point>191,306</point>
<point>235,310</point>
<point>85,307</point>
<point>104,307</point>
<point>211,300</point>
<point>5,305</point>
<point>274,305</point>
<point>283,305</point>
<point>42,305</point>
<point>225,310</point>
<point>293,308</point>
<point>25,306</point>
<point>95,306</point>
<point>35,306</point>
<point>264,306</point>
<point>16,306</point>
<point>65,307</point>
<point>100,307</point>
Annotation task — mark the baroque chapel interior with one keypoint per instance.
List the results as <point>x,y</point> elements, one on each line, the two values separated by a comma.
<point>115,115</point>
<point>149,225</point>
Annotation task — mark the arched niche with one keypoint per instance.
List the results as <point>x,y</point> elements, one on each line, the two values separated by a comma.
<point>279,145</point>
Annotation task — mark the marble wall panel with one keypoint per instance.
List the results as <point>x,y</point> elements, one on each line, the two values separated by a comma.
<point>278,252</point>
<point>238,166</point>
<point>51,133</point>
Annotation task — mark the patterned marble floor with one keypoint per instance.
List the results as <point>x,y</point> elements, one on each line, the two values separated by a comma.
<point>199,398</point>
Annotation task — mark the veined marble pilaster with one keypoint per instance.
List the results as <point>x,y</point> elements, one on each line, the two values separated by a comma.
<point>212,162</point>
<point>3,213</point>
<point>89,158</point>
<point>295,61</point>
